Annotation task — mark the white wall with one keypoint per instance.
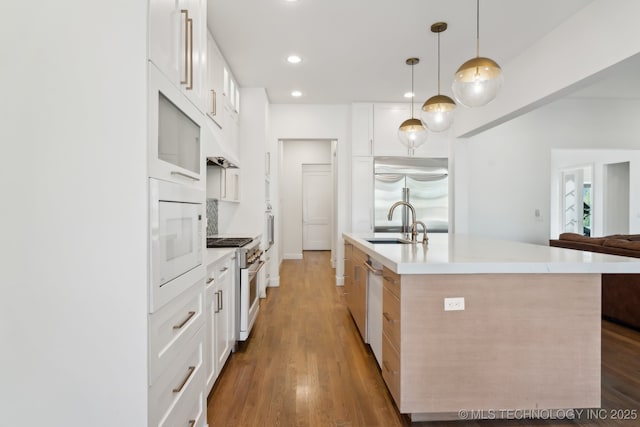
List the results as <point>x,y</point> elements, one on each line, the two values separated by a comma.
<point>571,55</point>
<point>503,174</point>
<point>74,219</point>
<point>295,154</point>
<point>562,159</point>
<point>328,122</point>
<point>248,217</point>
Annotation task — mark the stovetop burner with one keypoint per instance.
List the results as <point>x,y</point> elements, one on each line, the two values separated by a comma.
<point>227,242</point>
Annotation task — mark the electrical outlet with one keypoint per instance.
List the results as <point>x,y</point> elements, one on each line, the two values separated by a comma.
<point>454,304</point>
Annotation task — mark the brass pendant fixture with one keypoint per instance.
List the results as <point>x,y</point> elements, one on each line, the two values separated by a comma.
<point>438,111</point>
<point>477,81</point>
<point>412,132</point>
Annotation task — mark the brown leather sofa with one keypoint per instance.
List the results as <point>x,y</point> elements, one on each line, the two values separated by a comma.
<point>620,292</point>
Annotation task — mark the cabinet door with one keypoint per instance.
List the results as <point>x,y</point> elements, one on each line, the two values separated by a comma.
<point>223,316</point>
<point>388,118</point>
<point>362,194</point>
<point>232,185</point>
<point>166,31</point>
<point>362,129</point>
<point>177,44</point>
<point>215,88</point>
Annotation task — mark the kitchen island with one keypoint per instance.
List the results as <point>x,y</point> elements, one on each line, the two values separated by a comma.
<point>495,327</point>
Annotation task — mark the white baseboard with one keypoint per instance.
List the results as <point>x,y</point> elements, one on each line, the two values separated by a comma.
<point>274,282</point>
<point>339,280</point>
<point>292,256</point>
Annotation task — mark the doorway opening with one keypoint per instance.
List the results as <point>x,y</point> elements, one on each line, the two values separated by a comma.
<point>307,196</point>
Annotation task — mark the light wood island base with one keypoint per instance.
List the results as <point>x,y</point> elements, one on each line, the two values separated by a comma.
<point>523,341</point>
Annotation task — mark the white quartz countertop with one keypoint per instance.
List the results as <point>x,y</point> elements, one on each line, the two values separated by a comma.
<point>464,254</point>
<point>216,254</point>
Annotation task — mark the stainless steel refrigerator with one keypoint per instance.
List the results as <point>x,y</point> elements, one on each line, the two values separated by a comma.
<point>423,182</point>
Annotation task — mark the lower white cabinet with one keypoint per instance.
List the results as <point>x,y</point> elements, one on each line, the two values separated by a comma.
<point>219,313</point>
<point>177,396</point>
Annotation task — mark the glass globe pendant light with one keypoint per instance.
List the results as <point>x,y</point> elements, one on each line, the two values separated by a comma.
<point>412,132</point>
<point>477,81</point>
<point>438,111</point>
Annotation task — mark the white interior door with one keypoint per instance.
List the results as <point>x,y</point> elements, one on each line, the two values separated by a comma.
<point>317,199</point>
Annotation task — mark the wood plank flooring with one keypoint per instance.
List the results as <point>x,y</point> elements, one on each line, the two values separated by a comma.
<point>306,365</point>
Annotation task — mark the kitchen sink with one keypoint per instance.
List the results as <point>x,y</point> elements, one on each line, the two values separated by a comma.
<point>387,240</point>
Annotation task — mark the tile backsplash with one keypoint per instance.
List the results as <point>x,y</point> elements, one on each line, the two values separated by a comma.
<point>212,217</point>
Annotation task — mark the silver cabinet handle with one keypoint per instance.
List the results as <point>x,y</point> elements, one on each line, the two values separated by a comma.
<point>217,302</point>
<point>224,269</point>
<point>190,22</point>
<point>184,382</point>
<point>221,301</point>
<point>186,175</point>
<point>210,280</point>
<point>185,12</point>
<point>371,269</point>
<point>192,423</point>
<point>184,322</point>
<point>214,108</point>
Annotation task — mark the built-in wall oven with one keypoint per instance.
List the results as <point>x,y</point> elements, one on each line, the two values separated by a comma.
<point>176,227</point>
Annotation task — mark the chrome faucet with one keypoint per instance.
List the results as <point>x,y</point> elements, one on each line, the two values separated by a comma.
<point>414,232</point>
<point>414,226</point>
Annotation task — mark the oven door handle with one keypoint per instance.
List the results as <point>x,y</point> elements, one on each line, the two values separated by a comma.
<point>253,271</point>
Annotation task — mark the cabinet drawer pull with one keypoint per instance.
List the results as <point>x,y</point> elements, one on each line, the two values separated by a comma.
<point>388,318</point>
<point>385,365</point>
<point>221,306</point>
<point>184,322</point>
<point>185,12</point>
<point>192,423</point>
<point>210,280</point>
<point>186,175</point>
<point>184,382</point>
<point>389,279</point>
<point>214,106</point>
<point>217,310</point>
<point>224,269</point>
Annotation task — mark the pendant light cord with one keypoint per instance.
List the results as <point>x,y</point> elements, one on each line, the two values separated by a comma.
<point>478,28</point>
<point>438,63</point>
<point>412,94</point>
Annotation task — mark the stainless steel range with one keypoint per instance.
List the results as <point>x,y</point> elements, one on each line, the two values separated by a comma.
<point>249,264</point>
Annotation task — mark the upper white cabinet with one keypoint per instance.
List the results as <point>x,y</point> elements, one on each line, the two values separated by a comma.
<point>374,132</point>
<point>222,100</point>
<point>362,129</point>
<point>215,83</point>
<point>177,44</point>
<point>387,120</point>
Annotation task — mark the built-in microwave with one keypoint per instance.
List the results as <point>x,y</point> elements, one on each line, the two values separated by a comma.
<point>175,149</point>
<point>176,240</point>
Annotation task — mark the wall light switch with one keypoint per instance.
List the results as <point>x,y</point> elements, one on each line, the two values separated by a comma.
<point>454,304</point>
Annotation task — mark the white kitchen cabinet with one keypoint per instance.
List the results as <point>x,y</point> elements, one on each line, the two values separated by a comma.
<point>177,397</point>
<point>223,183</point>
<point>177,44</point>
<point>388,118</point>
<point>362,129</point>
<point>362,194</point>
<point>215,83</point>
<point>220,312</point>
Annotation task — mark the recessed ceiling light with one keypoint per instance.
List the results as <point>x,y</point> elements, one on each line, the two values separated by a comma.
<point>296,93</point>
<point>409,95</point>
<point>294,59</point>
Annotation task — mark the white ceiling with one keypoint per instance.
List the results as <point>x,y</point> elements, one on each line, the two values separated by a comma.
<point>355,50</point>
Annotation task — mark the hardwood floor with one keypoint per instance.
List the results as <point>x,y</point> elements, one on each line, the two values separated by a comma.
<point>305,365</point>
